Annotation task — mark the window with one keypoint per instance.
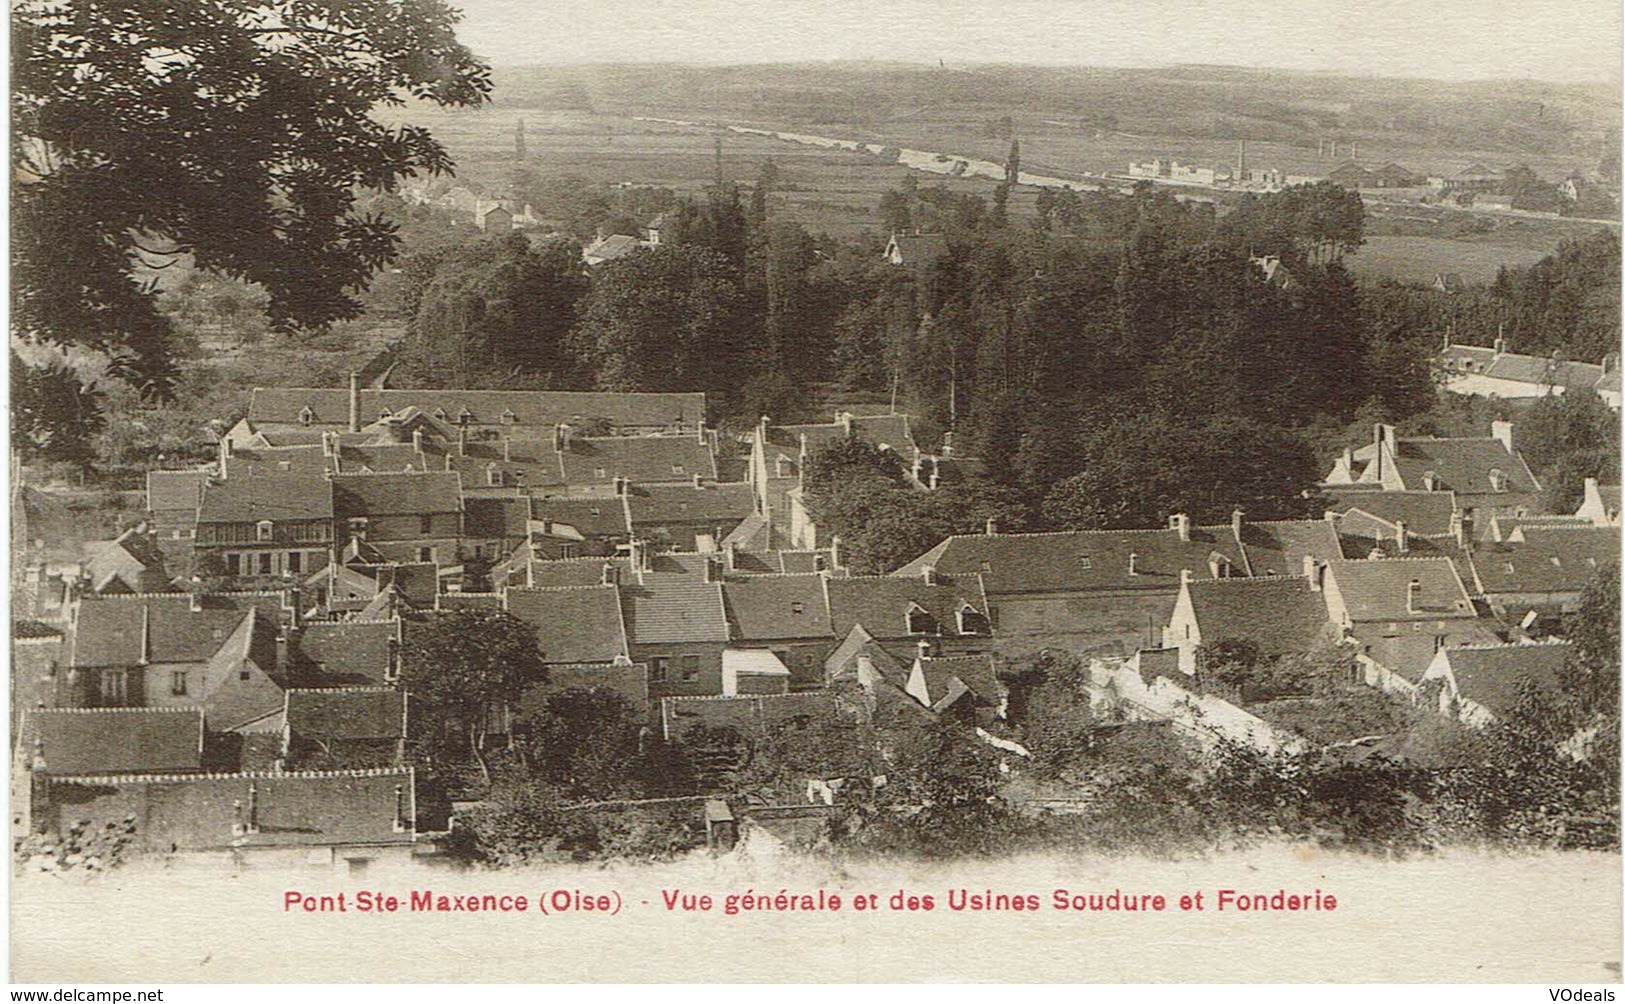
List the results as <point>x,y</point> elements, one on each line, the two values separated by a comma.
<point>265,562</point>
<point>677,468</point>
<point>568,550</point>
<point>306,416</point>
<point>971,621</point>
<point>243,673</point>
<point>1084,561</point>
<point>658,667</point>
<point>177,683</point>
<point>599,472</point>
<point>920,622</point>
<point>690,665</point>
<point>234,564</point>
<point>797,607</point>
<point>425,554</point>
<point>596,512</point>
<point>263,530</point>
<point>296,562</point>
<point>425,524</point>
<point>508,417</point>
<point>115,686</point>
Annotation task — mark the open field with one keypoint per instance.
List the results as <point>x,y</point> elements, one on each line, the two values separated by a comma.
<point>829,190</point>
<point>1419,259</point>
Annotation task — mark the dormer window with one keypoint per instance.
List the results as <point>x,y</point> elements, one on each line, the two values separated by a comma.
<point>464,417</point>
<point>1498,480</point>
<point>440,413</point>
<point>919,621</point>
<point>1084,561</point>
<point>508,417</point>
<point>600,473</point>
<point>781,467</point>
<point>493,475</point>
<point>263,530</point>
<point>383,414</point>
<point>306,416</point>
<point>797,607</point>
<point>677,468</point>
<point>972,621</point>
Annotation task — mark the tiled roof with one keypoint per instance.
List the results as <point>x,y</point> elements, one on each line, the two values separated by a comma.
<point>593,517</point>
<point>976,672</point>
<point>396,494</point>
<point>610,248</point>
<point>296,809</point>
<point>575,572</point>
<point>674,608</point>
<point>529,464</point>
<point>237,686</point>
<point>1082,560</point>
<point>881,603</point>
<point>1379,590</point>
<point>132,559</point>
<point>1424,513</point>
<point>573,625</point>
<point>653,505</point>
<point>649,459</point>
<point>110,631</point>
<point>349,651</point>
<point>1546,561</point>
<point>174,490</point>
<point>496,517</point>
<point>1492,675</point>
<point>769,607</point>
<point>1279,615</point>
<point>531,409</point>
<point>273,496</point>
<point>347,713</point>
<point>1279,547</point>
<point>381,459</point>
<point>248,462</point>
<point>1463,465</point>
<point>116,740</point>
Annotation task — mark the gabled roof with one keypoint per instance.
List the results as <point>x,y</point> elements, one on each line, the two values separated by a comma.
<point>347,713</point>
<point>1493,675</point>
<point>272,496</point>
<point>350,651</point>
<point>530,408</point>
<point>131,560</point>
<point>654,505</point>
<point>1424,513</point>
<point>576,572</point>
<point>496,517</point>
<point>238,686</point>
<point>674,608</point>
<point>161,628</point>
<point>77,741</point>
<point>169,491</point>
<point>592,517</point>
<point>254,461</point>
<point>1279,615</point>
<point>1379,590</point>
<point>1082,560</point>
<point>573,625</point>
<point>1463,465</point>
<point>645,459</point>
<point>387,458</point>
<point>975,672</point>
<point>326,809</point>
<point>881,602</point>
<point>1547,560</point>
<point>396,494</point>
<point>770,607</point>
<point>1278,547</point>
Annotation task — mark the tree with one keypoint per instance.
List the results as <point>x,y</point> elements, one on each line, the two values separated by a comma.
<point>55,414</point>
<point>1050,705</point>
<point>1591,670</point>
<point>583,743</point>
<point>462,668</point>
<point>494,310</point>
<point>662,318</point>
<point>237,134</point>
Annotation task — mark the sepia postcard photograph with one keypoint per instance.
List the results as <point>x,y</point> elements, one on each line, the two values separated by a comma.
<point>699,492</point>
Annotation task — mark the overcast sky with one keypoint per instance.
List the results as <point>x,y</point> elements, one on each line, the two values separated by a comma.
<point>1558,40</point>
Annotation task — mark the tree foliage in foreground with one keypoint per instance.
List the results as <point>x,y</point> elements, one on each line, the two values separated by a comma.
<point>236,133</point>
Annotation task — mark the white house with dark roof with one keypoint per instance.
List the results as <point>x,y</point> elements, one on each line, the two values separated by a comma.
<point>1481,684</point>
<point>1400,611</point>
<point>1493,371</point>
<point>1281,615</point>
<point>1487,473</point>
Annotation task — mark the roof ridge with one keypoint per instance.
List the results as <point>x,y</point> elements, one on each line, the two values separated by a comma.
<point>556,589</point>
<point>357,689</point>
<point>183,709</point>
<point>1250,579</point>
<point>1389,560</point>
<point>182,593</point>
<point>391,474</point>
<point>1493,646</point>
<point>246,775</point>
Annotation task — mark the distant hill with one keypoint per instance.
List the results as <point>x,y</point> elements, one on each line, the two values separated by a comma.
<point>1508,118</point>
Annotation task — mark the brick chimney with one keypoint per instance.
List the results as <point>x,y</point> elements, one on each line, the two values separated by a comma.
<point>1311,571</point>
<point>929,574</point>
<point>835,555</point>
<point>923,648</point>
<point>1236,516</point>
<point>699,481</point>
<point>609,575</point>
<point>1402,537</point>
<point>355,402</point>
<point>1182,524</point>
<point>992,526</point>
<point>1413,596</point>
<point>1134,563</point>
